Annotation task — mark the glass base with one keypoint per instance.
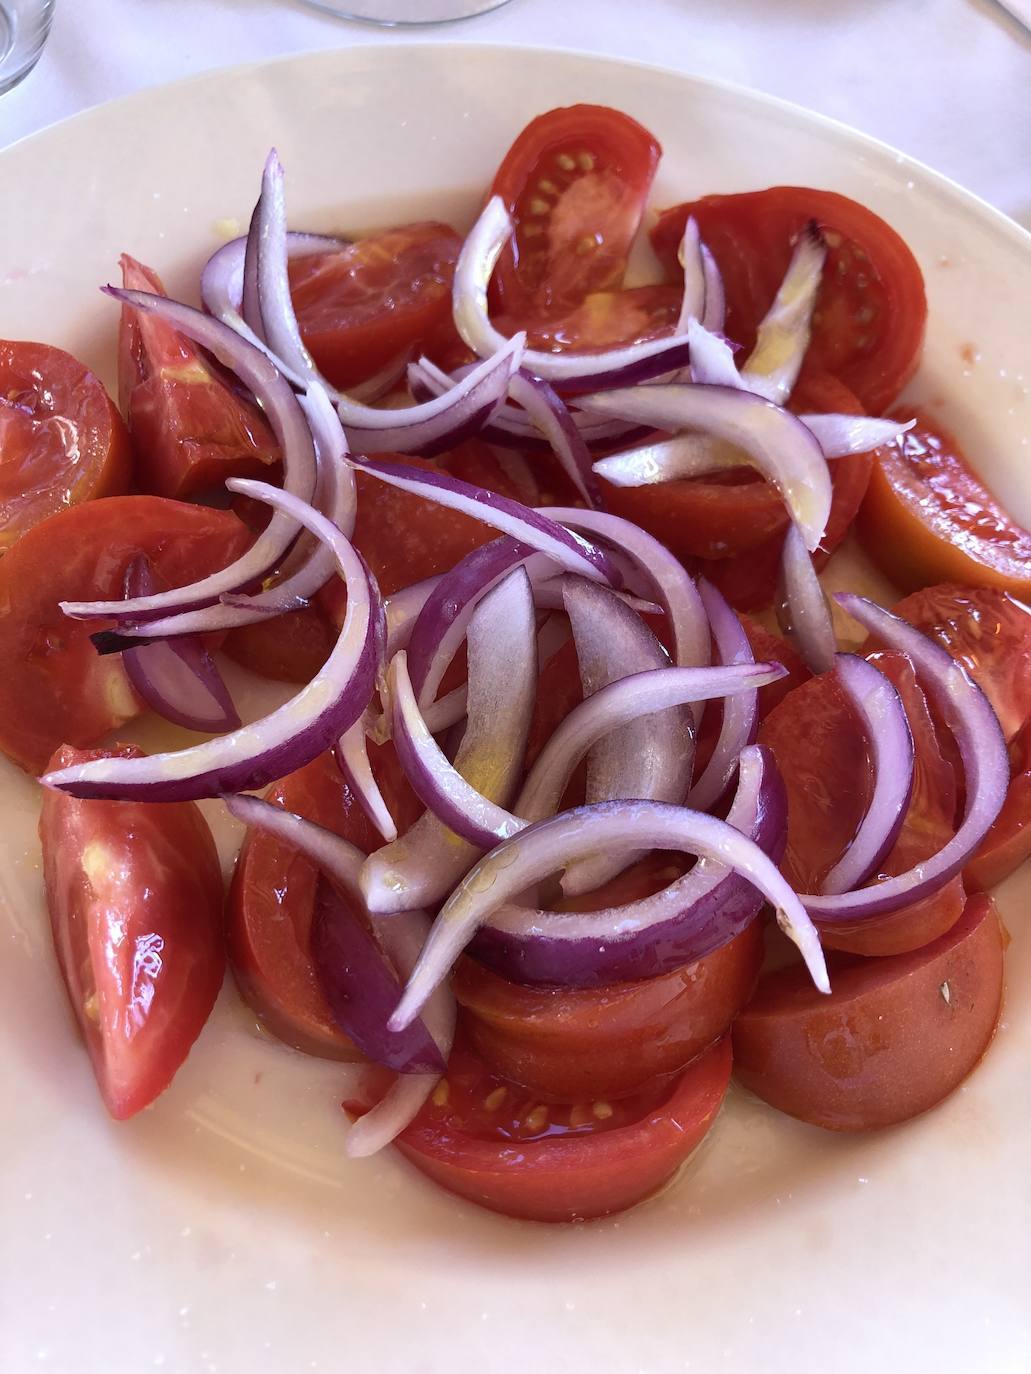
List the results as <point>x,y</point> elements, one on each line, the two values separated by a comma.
<point>391,13</point>
<point>24,25</point>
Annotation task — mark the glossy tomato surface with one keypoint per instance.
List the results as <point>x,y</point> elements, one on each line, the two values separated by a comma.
<point>135,898</point>
<point>894,1038</point>
<point>364,306</point>
<point>1008,843</point>
<point>575,182</point>
<point>490,1141</point>
<point>928,518</point>
<point>61,439</point>
<point>190,428</point>
<point>868,324</point>
<point>272,900</point>
<point>570,1044</point>
<point>55,688</point>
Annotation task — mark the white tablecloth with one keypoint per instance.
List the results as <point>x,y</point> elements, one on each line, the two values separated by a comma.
<point>948,81</point>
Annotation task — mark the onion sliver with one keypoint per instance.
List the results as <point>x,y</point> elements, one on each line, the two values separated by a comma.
<point>876,701</point>
<point>689,255</point>
<point>555,843</point>
<point>422,866</point>
<point>776,442</point>
<point>551,417</point>
<point>802,610</point>
<point>292,735</point>
<point>567,371</point>
<point>740,713</point>
<point>352,756</point>
<point>299,469</point>
<point>783,335</point>
<point>715,296</point>
<point>969,715</point>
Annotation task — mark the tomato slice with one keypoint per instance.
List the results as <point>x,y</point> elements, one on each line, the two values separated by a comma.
<point>603,320</point>
<point>191,430</point>
<point>821,750</point>
<point>572,1044</point>
<point>928,518</point>
<point>55,687</point>
<point>894,1037</point>
<point>272,897</point>
<point>135,898</point>
<point>289,648</point>
<point>1008,843</point>
<point>575,181</point>
<point>488,1140</point>
<point>362,307</point>
<point>61,439</point>
<point>868,325</point>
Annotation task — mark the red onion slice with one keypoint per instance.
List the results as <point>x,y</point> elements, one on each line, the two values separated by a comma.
<point>740,712</point>
<point>689,255</point>
<point>715,297</point>
<point>877,703</point>
<point>403,609</point>
<point>968,714</point>
<point>352,755</point>
<point>840,435</point>
<point>783,336</point>
<point>651,757</point>
<point>802,610</point>
<point>421,867</point>
<point>299,469</point>
<point>553,844</point>
<point>251,296</point>
<point>684,922</point>
<point>532,527</point>
<point>551,417</point>
<point>330,852</point>
<point>292,735</point>
<point>775,442</point>
<point>712,358</point>
<point>569,371</point>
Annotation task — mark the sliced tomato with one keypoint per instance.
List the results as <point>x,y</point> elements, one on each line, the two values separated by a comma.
<point>61,439</point>
<point>568,1045</point>
<point>273,894</point>
<point>927,517</point>
<point>135,898</point>
<point>770,648</point>
<point>490,1141</point>
<point>364,306</point>
<point>575,182</point>
<point>894,1037</point>
<point>290,648</point>
<point>191,430</point>
<point>1008,843</point>
<point>821,750</point>
<point>868,325</point>
<point>602,320</point>
<point>55,687</point>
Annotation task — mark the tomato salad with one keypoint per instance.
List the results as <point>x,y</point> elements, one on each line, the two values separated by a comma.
<point>585,797</point>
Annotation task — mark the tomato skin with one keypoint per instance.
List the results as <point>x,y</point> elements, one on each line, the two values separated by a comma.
<point>894,1037</point>
<point>272,896</point>
<point>570,1044</point>
<point>928,518</point>
<point>55,688</point>
<point>868,324</point>
<point>363,306</point>
<point>61,437</point>
<point>575,182</point>
<point>1008,843</point>
<point>602,1166</point>
<point>135,898</point>
<point>190,430</point>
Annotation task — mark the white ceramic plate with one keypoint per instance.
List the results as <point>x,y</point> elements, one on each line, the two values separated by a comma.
<point>224,1229</point>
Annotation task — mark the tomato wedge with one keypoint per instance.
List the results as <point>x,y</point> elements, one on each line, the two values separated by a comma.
<point>894,1037</point>
<point>55,687</point>
<point>61,439</point>
<point>1008,843</point>
<point>868,325</point>
<point>191,430</point>
<point>488,1140</point>
<point>928,518</point>
<point>571,1044</point>
<point>575,181</point>
<point>364,306</point>
<point>272,897</point>
<point>135,898</point>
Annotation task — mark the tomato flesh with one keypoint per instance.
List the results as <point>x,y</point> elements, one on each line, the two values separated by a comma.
<point>928,518</point>
<point>1008,843</point>
<point>135,899</point>
<point>55,688</point>
<point>190,429</point>
<point>364,306</point>
<point>490,1141</point>
<point>868,323</point>
<point>895,1036</point>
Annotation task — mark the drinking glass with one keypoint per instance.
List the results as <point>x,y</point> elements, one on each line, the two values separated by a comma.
<point>24,25</point>
<point>391,12</point>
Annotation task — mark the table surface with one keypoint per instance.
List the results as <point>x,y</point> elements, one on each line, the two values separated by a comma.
<point>948,81</point>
